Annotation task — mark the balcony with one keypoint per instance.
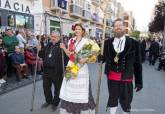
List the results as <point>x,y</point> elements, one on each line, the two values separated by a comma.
<point>86,15</point>
<point>109,22</point>
<point>95,17</point>
<point>59,5</point>
<point>96,2</point>
<point>76,11</point>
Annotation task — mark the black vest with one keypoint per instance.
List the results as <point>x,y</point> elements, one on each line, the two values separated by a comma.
<point>129,60</point>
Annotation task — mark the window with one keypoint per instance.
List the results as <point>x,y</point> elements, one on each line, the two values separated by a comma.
<point>28,22</point>
<point>20,21</point>
<point>126,17</point>
<point>89,7</point>
<point>10,20</point>
<point>54,26</point>
<point>126,24</point>
<point>55,2</point>
<point>126,31</point>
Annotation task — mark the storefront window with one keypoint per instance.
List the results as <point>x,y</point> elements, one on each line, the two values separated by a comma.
<point>10,20</point>
<point>28,22</point>
<point>54,26</point>
<point>20,21</point>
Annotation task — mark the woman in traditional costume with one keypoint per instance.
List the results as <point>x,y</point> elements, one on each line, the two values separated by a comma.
<point>76,95</point>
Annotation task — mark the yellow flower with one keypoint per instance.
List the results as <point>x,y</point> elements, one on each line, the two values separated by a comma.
<point>95,48</point>
<point>74,70</point>
<point>92,59</point>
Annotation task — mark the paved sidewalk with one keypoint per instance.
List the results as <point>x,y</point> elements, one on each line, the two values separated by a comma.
<point>11,84</point>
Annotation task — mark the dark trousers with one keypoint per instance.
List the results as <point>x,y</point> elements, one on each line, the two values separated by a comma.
<point>122,92</point>
<point>161,65</point>
<point>9,65</point>
<point>19,68</point>
<point>152,58</point>
<point>31,69</point>
<point>47,86</point>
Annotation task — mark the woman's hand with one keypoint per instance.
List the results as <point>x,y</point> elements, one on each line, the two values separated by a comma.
<point>71,53</point>
<point>83,60</point>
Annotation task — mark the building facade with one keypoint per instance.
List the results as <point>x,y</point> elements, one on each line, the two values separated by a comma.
<point>70,12</point>
<point>16,14</point>
<point>129,22</point>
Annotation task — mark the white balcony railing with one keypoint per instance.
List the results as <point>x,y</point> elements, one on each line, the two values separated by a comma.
<point>76,10</point>
<point>87,14</point>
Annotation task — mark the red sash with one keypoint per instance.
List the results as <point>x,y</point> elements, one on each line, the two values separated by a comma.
<point>71,49</point>
<point>117,76</point>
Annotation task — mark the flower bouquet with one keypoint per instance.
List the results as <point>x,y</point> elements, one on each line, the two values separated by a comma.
<point>90,51</point>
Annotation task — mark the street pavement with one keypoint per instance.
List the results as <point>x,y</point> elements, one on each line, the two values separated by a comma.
<point>148,101</point>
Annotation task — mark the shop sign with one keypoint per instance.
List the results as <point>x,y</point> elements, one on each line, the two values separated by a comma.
<point>16,6</point>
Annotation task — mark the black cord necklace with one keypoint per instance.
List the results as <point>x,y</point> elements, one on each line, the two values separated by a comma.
<point>51,50</point>
<point>116,59</point>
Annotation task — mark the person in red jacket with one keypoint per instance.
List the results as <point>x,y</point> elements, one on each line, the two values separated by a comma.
<point>30,58</point>
<point>3,65</point>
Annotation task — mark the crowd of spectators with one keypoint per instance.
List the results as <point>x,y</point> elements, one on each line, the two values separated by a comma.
<point>18,53</point>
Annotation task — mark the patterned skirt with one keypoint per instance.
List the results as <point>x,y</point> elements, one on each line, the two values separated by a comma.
<point>78,108</point>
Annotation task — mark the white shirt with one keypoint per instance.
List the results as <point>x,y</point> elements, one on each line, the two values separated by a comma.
<point>21,40</point>
<point>33,42</point>
<point>119,44</point>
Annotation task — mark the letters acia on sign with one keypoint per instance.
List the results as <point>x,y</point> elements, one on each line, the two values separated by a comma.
<point>16,6</point>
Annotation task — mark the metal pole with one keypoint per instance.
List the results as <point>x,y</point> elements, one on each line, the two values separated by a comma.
<point>100,65</point>
<point>35,72</point>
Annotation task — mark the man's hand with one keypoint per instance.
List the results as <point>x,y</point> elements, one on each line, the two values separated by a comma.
<point>138,87</point>
<point>62,46</point>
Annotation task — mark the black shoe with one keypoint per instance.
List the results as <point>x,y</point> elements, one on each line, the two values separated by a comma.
<point>45,105</point>
<point>54,108</point>
<point>25,77</point>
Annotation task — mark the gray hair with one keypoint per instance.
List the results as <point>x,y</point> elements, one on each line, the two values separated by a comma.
<point>56,32</point>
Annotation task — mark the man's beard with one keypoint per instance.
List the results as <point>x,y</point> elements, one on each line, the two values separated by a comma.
<point>119,34</point>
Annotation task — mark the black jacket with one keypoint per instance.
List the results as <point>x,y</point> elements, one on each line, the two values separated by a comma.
<point>53,65</point>
<point>154,48</point>
<point>129,60</point>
